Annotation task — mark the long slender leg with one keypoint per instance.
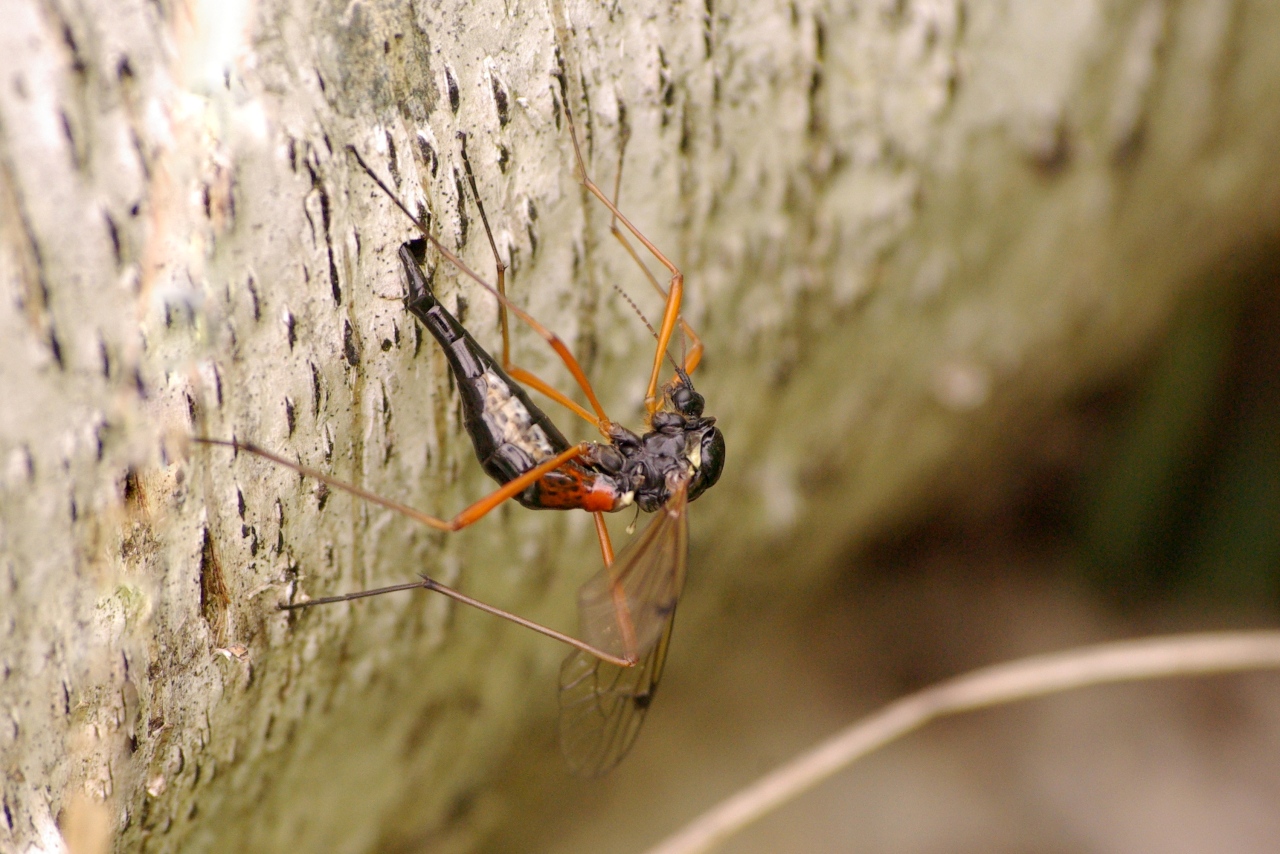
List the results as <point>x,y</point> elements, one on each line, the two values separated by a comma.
<point>606,545</point>
<point>626,624</point>
<point>467,517</point>
<point>600,419</point>
<point>514,371</point>
<point>493,245</point>
<point>428,583</point>
<point>693,357</point>
<point>675,292</point>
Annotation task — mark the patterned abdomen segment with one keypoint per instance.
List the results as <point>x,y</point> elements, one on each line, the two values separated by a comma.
<point>511,435</point>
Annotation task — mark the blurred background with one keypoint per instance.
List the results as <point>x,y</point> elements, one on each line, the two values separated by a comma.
<point>1145,505</point>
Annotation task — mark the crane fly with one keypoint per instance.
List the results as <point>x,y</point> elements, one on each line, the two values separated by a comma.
<point>627,609</point>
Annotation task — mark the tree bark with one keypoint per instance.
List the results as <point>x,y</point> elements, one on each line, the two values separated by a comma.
<point>903,225</point>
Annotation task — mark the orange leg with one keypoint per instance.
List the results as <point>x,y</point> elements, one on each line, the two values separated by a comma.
<point>606,545</point>
<point>599,419</point>
<point>479,509</point>
<point>626,625</point>
<point>520,374</point>
<point>675,292</point>
<point>517,373</point>
<point>693,356</point>
<point>467,517</point>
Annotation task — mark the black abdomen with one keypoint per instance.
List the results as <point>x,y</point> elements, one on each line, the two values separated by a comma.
<point>511,435</point>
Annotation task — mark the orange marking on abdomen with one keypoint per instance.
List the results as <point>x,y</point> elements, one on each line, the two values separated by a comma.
<point>572,488</point>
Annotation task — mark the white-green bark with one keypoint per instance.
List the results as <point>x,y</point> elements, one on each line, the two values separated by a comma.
<point>902,225</point>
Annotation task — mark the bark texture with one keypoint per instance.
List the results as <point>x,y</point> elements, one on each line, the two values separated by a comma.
<point>903,226</point>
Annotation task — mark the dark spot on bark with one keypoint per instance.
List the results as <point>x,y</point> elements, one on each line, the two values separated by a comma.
<point>333,278</point>
<point>455,98</point>
<point>315,391</point>
<point>350,347</point>
<point>71,141</point>
<point>708,27</point>
<point>428,155</point>
<point>500,100</point>
<point>393,160</point>
<point>114,233</point>
<point>77,62</point>
<point>134,496</point>
<point>252,287</point>
<point>463,222</point>
<point>213,587</point>
<point>531,219</point>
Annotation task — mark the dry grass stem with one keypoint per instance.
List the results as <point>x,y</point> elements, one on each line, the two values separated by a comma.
<point>1036,676</point>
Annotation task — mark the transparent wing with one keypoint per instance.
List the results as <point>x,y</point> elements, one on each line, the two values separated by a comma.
<point>626,607</point>
<point>602,706</point>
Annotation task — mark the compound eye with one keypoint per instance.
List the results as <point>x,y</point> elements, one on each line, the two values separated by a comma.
<point>688,401</point>
<point>712,463</point>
